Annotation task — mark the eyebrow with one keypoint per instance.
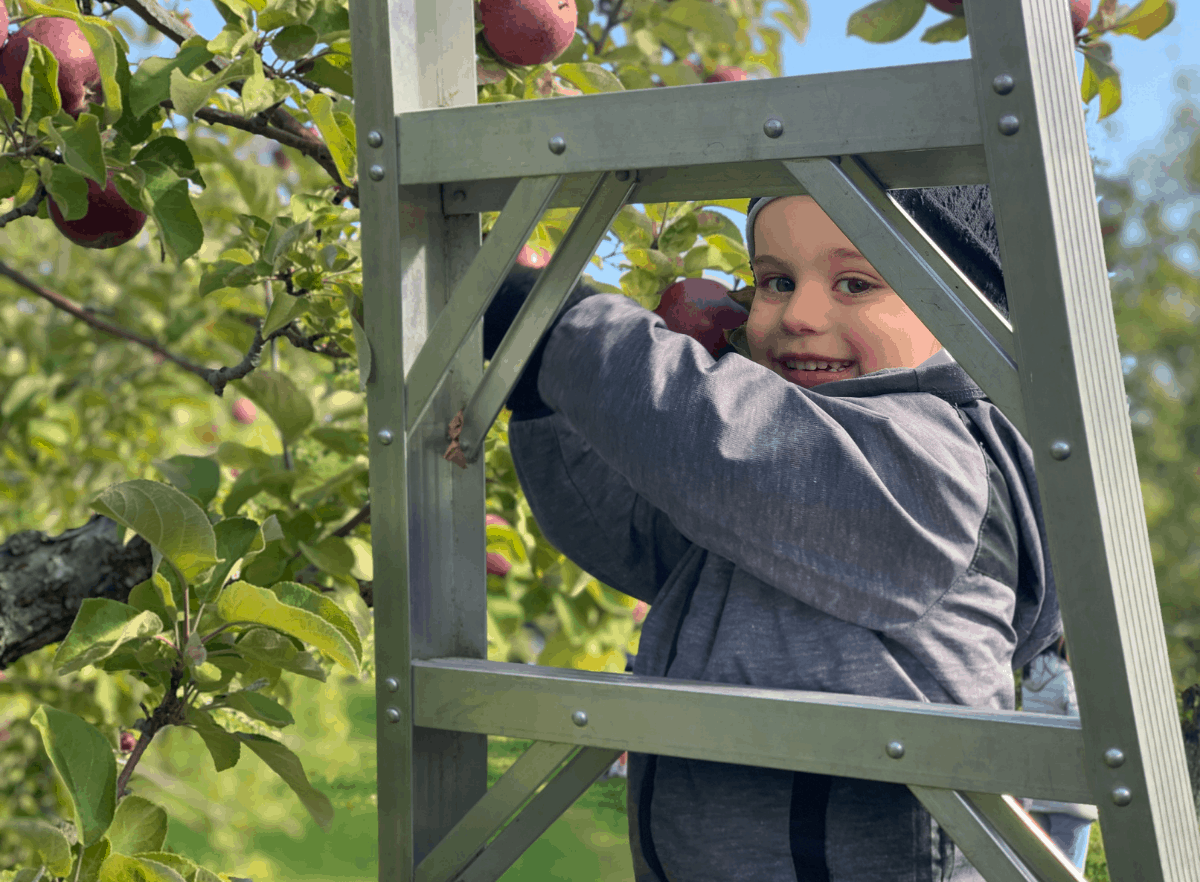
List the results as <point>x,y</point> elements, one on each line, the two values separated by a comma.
<point>839,253</point>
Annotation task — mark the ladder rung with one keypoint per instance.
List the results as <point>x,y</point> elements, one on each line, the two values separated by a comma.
<point>943,745</point>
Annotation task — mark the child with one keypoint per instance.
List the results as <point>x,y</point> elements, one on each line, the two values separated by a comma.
<point>831,505</point>
<point>1047,687</point>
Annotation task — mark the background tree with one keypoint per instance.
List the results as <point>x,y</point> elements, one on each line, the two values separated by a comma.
<point>239,149</point>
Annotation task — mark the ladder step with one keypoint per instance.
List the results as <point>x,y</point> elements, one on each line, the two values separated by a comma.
<point>885,111</point>
<point>933,745</point>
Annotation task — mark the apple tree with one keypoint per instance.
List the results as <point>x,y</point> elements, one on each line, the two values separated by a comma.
<point>180,222</point>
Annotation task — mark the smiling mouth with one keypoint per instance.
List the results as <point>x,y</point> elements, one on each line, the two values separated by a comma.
<point>813,372</point>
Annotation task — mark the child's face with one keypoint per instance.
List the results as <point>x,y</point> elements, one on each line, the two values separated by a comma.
<point>818,300</point>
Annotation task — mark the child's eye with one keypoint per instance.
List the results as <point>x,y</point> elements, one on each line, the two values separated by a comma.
<point>854,286</point>
<point>769,285</point>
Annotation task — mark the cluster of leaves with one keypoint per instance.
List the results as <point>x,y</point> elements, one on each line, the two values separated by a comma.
<point>887,20</point>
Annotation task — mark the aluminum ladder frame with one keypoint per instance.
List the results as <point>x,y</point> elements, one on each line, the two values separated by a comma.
<point>1011,116</point>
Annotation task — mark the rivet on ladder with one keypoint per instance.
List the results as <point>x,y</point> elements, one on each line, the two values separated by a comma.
<point>1060,450</point>
<point>393,715</point>
<point>622,176</point>
<point>1009,124</point>
<point>1114,757</point>
<point>376,172</point>
<point>1122,796</point>
<point>374,138</point>
<point>895,749</point>
<point>385,437</point>
<point>773,127</point>
<point>392,684</point>
<point>458,196</point>
<point>558,144</point>
<point>1003,84</point>
<point>579,718</point>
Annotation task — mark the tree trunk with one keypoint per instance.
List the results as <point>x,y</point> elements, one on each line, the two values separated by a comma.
<point>44,579</point>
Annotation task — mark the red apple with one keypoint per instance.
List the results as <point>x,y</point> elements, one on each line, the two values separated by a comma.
<point>244,411</point>
<point>128,742</point>
<point>78,72</point>
<point>1081,11</point>
<point>110,220</point>
<point>702,309</point>
<point>497,563</point>
<point>3,24</point>
<point>525,32</point>
<point>726,75</point>
<point>534,257</point>
<point>950,7</point>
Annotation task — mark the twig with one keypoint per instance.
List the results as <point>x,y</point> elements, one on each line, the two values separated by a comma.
<point>614,19</point>
<point>29,209</point>
<point>172,711</point>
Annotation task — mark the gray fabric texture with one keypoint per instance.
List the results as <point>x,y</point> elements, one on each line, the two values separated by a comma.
<point>878,536</point>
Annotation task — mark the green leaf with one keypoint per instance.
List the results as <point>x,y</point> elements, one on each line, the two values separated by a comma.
<point>294,42</point>
<point>259,707</point>
<point>234,455</point>
<point>320,107</point>
<point>236,538</point>
<point>711,19</point>
<point>69,190</point>
<point>287,766</point>
<point>177,862</point>
<point>138,825</point>
<point>589,78</point>
<point>363,347</point>
<point>123,868</point>
<point>271,648</point>
<point>197,476</point>
<point>164,517</point>
<point>1100,78</point>
<point>331,555</point>
<point>333,71</point>
<point>243,602</point>
<point>154,595</point>
<point>284,235</point>
<point>94,857</point>
<point>173,153</point>
<point>948,31</point>
<point>84,761</point>
<point>257,92</point>
<point>342,478</point>
<point>189,95</point>
<point>224,749</point>
<point>679,236</point>
<point>281,399</point>
<point>1146,19</point>
<point>39,84</point>
<point>100,628</point>
<point>885,20</point>
<point>104,50</point>
<point>48,842</point>
<point>150,84</point>
<point>303,597</point>
<point>233,38</point>
<point>81,147</point>
<point>347,442</point>
<point>176,218</point>
<point>12,173</point>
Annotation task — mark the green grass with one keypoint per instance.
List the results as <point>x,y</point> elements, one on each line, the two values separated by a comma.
<point>246,822</point>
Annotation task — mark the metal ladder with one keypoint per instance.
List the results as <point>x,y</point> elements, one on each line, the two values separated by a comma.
<point>1011,117</point>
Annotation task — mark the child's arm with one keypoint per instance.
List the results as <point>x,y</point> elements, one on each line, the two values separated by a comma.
<point>865,508</point>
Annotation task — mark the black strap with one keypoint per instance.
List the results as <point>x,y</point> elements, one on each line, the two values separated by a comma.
<point>810,798</point>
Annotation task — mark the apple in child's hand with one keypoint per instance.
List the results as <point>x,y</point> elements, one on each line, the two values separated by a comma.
<point>702,309</point>
<point>497,563</point>
<point>525,32</point>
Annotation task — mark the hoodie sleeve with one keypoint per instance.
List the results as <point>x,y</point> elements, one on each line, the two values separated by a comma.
<point>867,509</point>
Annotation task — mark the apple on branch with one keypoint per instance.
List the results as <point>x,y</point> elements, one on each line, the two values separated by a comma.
<point>497,563</point>
<point>702,309</point>
<point>727,75</point>
<point>244,411</point>
<point>110,220</point>
<point>78,72</point>
<point>526,32</point>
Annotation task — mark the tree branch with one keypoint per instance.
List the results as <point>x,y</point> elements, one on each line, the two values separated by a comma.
<point>29,209</point>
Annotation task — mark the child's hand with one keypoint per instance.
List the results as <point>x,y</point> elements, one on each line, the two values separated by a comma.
<point>702,309</point>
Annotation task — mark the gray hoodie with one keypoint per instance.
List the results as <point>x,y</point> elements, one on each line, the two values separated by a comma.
<point>879,536</point>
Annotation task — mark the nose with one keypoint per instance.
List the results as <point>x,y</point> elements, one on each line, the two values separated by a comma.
<point>810,309</point>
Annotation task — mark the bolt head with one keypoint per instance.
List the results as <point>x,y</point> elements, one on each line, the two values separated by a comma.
<point>579,718</point>
<point>1009,124</point>
<point>385,437</point>
<point>1114,757</point>
<point>622,176</point>
<point>895,749</point>
<point>374,138</point>
<point>393,715</point>
<point>1002,84</point>
<point>1060,450</point>
<point>458,196</point>
<point>392,684</point>
<point>558,144</point>
<point>375,172</point>
<point>1122,796</point>
<point>773,127</point>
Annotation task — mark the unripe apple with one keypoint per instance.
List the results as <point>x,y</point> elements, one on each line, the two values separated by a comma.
<point>128,742</point>
<point>110,220</point>
<point>244,411</point>
<point>78,72</point>
<point>950,7</point>
<point>702,309</point>
<point>533,257</point>
<point>525,32</point>
<point>726,75</point>
<point>497,563</point>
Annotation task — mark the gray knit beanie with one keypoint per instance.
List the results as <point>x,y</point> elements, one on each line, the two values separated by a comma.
<point>958,219</point>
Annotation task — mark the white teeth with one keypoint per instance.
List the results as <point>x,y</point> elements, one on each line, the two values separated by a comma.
<point>834,366</point>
